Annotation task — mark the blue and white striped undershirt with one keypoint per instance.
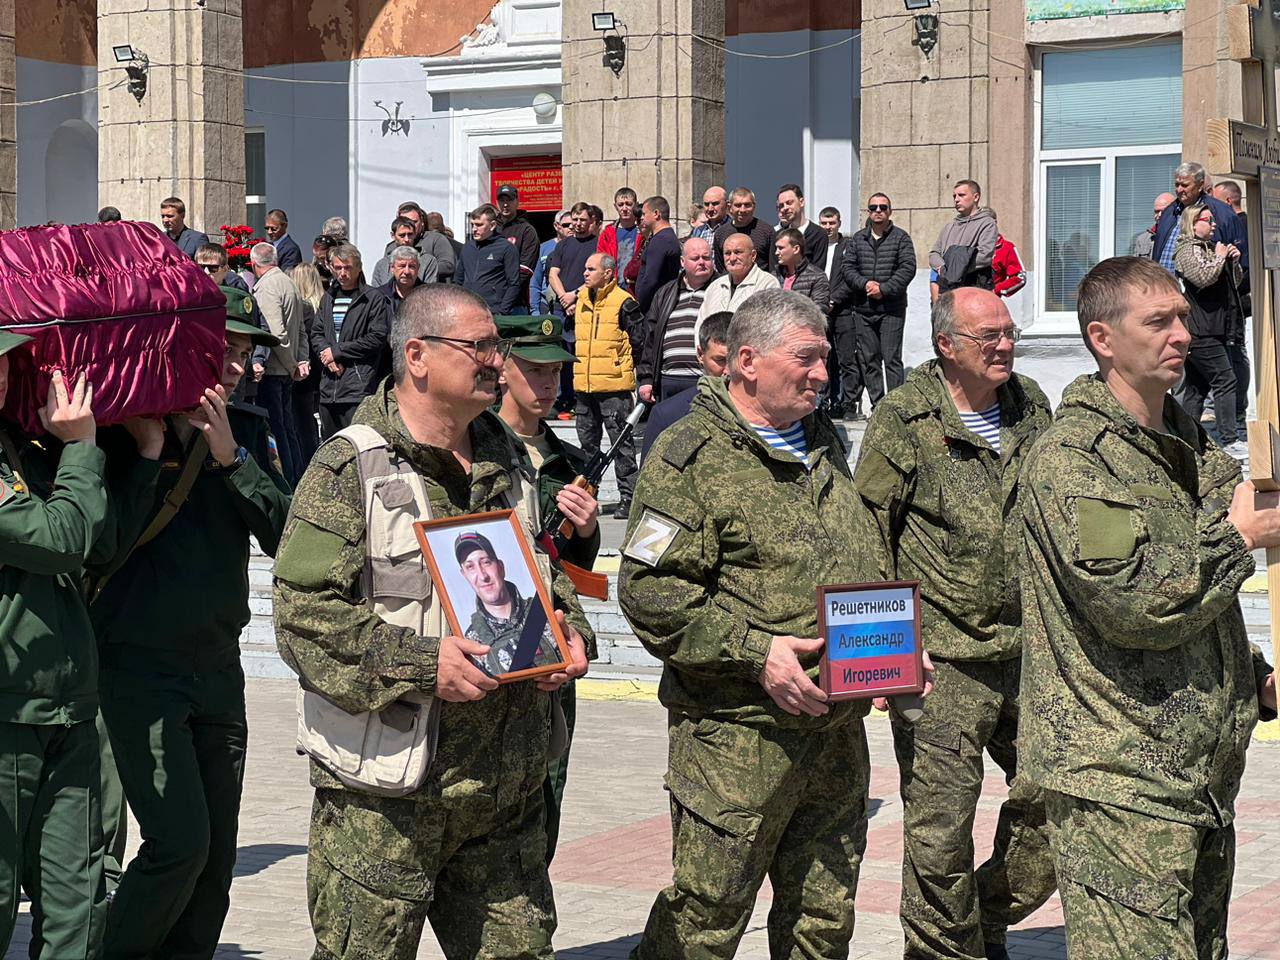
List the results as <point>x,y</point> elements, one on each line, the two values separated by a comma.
<point>985,423</point>
<point>788,441</point>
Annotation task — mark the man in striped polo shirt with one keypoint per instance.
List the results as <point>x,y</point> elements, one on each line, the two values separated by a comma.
<point>939,470</point>
<point>669,362</point>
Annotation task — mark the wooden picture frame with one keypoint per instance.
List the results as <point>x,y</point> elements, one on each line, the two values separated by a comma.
<point>499,535</point>
<point>868,644</point>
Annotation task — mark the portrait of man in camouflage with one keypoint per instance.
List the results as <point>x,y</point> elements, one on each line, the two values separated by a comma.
<point>503,620</point>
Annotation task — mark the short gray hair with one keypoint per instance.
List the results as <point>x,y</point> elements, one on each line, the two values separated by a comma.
<point>335,227</point>
<point>347,253</point>
<point>763,318</point>
<point>263,254</point>
<point>608,263</point>
<point>404,253</point>
<point>429,311</point>
<point>943,318</point>
<point>1189,168</point>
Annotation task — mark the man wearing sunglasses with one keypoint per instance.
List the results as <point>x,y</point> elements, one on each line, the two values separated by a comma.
<point>464,846</point>
<point>939,470</point>
<point>878,265</point>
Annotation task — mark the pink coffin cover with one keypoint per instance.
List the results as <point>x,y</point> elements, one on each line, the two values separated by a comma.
<point>118,302</point>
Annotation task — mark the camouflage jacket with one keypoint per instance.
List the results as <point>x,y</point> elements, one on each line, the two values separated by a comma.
<point>727,544</point>
<point>944,500</point>
<point>1139,684</point>
<point>338,646</point>
<point>503,636</point>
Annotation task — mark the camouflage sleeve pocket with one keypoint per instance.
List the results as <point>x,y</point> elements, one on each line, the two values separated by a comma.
<point>1107,530</point>
<point>876,478</point>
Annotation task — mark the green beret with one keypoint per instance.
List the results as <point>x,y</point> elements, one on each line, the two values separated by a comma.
<point>240,317</point>
<point>539,339</point>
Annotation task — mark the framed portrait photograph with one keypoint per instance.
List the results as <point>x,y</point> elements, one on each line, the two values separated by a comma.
<point>873,644</point>
<point>491,593</point>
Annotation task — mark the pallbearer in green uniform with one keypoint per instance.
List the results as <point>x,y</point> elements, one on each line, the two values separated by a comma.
<point>53,504</point>
<point>531,379</point>
<point>168,620</point>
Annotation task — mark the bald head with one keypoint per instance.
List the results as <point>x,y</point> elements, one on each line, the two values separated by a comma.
<point>1161,202</point>
<point>974,335</point>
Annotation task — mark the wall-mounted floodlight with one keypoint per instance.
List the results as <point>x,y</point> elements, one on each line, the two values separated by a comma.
<point>603,21</point>
<point>918,4</point>
<point>123,53</point>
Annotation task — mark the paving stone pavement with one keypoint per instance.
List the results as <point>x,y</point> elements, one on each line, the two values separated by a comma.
<point>616,842</point>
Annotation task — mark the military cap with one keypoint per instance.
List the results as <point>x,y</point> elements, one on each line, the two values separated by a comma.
<point>9,340</point>
<point>470,541</point>
<point>535,338</point>
<point>240,317</point>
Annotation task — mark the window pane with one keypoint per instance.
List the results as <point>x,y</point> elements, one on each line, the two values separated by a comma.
<point>255,215</point>
<point>255,163</point>
<point>1139,180</point>
<point>1072,199</point>
<point>1112,98</point>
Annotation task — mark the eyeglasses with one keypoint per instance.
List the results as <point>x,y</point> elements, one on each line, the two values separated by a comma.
<point>877,208</point>
<point>485,350</point>
<point>210,267</point>
<point>989,341</point>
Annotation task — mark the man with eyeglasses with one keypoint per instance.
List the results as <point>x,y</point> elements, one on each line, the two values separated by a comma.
<point>878,266</point>
<point>939,470</point>
<point>212,259</point>
<point>464,847</point>
<point>538,283</point>
<point>743,505</point>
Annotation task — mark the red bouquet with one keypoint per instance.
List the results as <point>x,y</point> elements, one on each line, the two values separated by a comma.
<point>238,241</point>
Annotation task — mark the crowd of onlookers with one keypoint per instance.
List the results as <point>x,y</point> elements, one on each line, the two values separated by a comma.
<point>631,293</point>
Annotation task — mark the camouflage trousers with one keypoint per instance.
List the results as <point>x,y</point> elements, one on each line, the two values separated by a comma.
<point>378,868</point>
<point>948,909</point>
<point>1138,887</point>
<point>749,802</point>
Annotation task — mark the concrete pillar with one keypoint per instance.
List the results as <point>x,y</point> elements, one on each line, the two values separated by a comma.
<point>186,137</point>
<point>659,127</point>
<point>8,119</point>
<point>925,119</point>
<point>1212,84</point>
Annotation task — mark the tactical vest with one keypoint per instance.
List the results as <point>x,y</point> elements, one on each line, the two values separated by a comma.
<point>389,752</point>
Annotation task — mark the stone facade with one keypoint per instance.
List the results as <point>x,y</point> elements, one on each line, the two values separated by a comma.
<point>925,118</point>
<point>186,137</point>
<point>8,118</point>
<point>659,127</point>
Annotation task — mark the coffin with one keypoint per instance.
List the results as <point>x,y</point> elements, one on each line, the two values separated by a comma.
<point>116,301</point>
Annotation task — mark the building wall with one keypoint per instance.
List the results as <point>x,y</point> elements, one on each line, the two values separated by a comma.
<point>52,139</point>
<point>794,120</point>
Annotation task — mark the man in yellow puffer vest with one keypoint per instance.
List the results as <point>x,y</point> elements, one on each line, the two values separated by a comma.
<point>609,328</point>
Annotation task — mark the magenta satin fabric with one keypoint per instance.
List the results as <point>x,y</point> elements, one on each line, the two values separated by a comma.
<point>117,301</point>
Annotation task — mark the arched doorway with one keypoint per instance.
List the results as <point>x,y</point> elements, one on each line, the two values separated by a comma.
<point>71,173</point>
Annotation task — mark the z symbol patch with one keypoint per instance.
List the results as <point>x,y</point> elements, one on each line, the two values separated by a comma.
<point>651,539</point>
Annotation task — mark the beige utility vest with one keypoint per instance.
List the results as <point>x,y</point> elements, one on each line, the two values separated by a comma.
<point>388,752</point>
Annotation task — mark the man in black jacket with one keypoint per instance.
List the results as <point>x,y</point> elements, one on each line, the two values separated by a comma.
<point>743,219</point>
<point>522,234</point>
<point>844,364</point>
<point>350,338</point>
<point>668,361</point>
<point>489,266</point>
<point>879,264</point>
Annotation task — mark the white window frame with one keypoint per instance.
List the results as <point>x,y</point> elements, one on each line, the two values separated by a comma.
<point>251,199</point>
<point>1062,322</point>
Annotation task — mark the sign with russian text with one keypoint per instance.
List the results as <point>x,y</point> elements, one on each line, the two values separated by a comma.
<point>537,181</point>
<point>873,646</point>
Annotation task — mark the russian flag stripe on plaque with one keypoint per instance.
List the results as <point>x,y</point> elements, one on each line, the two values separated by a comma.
<point>872,639</point>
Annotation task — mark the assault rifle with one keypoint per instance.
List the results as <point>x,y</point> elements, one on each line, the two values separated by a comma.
<point>557,528</point>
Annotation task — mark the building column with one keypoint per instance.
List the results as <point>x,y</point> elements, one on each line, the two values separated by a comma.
<point>1212,84</point>
<point>8,118</point>
<point>925,118</point>
<point>659,126</point>
<point>186,137</point>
